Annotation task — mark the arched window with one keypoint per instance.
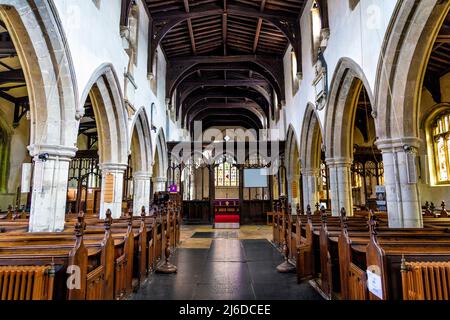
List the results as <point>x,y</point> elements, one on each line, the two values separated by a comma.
<point>441,147</point>
<point>226,174</point>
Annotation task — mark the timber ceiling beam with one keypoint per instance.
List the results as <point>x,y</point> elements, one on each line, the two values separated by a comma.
<point>229,114</point>
<point>259,27</point>
<point>163,22</point>
<point>190,28</point>
<point>7,48</point>
<point>225,93</point>
<point>224,27</point>
<point>213,107</point>
<point>12,76</point>
<point>269,67</point>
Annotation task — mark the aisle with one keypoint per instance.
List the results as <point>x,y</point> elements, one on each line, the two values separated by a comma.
<point>228,267</point>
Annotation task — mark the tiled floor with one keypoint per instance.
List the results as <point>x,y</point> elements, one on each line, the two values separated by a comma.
<point>223,267</point>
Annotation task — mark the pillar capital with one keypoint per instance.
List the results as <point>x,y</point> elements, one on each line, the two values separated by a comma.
<point>339,162</point>
<point>311,172</point>
<point>113,166</point>
<point>54,151</point>
<point>159,179</point>
<point>142,175</point>
<point>397,144</point>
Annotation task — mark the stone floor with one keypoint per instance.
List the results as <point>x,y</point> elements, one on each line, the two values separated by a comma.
<point>226,265</point>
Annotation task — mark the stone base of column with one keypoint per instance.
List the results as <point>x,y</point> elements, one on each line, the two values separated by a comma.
<point>49,194</point>
<point>141,192</point>
<point>401,182</point>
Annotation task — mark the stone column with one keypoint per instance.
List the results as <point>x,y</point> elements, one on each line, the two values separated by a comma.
<point>310,187</point>
<point>340,185</point>
<point>112,201</point>
<point>401,182</point>
<point>141,191</point>
<point>49,195</point>
<point>159,184</point>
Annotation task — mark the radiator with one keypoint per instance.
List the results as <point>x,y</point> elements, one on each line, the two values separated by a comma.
<point>426,280</point>
<point>26,282</point>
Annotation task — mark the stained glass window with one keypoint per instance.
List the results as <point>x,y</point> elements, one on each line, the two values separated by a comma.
<point>226,174</point>
<point>441,136</point>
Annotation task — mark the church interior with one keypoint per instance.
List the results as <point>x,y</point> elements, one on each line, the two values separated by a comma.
<point>225,150</point>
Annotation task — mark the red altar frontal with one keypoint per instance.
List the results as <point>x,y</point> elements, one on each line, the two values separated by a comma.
<point>226,214</point>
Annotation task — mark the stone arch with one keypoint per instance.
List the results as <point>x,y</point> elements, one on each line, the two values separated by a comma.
<point>403,61</point>
<point>292,151</point>
<point>141,161</point>
<point>292,166</point>
<point>340,113</point>
<point>311,141</point>
<point>112,128</point>
<point>41,46</point>
<point>411,33</point>
<point>346,85</point>
<point>110,113</point>
<point>160,163</point>
<point>141,142</point>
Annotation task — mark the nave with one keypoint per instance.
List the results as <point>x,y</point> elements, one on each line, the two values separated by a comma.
<point>126,125</point>
<point>226,265</point>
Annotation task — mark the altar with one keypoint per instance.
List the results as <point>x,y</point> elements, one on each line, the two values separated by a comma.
<point>226,214</point>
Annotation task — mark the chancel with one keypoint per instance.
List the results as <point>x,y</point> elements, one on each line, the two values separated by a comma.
<point>224,150</point>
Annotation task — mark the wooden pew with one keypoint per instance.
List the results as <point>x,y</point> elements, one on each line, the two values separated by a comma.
<point>62,257</point>
<point>354,249</point>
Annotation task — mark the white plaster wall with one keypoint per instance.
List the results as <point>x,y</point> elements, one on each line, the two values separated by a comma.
<point>93,37</point>
<point>356,34</point>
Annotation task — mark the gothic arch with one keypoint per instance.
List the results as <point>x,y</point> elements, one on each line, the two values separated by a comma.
<point>340,113</point>
<point>141,143</point>
<point>407,46</point>
<point>292,152</point>
<point>111,116</point>
<point>161,154</point>
<point>292,164</point>
<point>41,46</point>
<point>311,139</point>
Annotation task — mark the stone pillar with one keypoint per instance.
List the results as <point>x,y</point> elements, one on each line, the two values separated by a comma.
<point>310,188</point>
<point>49,195</point>
<point>159,184</point>
<point>141,191</point>
<point>401,182</point>
<point>114,200</point>
<point>340,185</point>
